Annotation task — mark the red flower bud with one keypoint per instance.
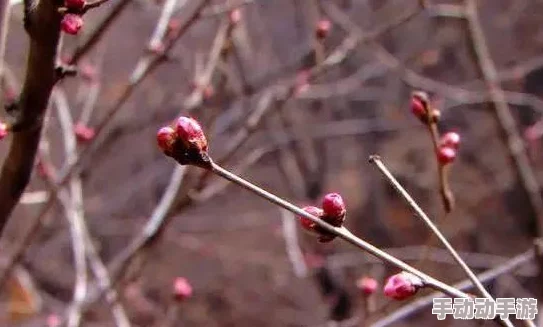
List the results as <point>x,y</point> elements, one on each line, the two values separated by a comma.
<point>182,289</point>
<point>74,4</point>
<point>451,140</point>
<point>419,106</point>
<point>307,223</point>
<point>402,286</point>
<point>446,155</point>
<point>3,130</point>
<point>334,209</point>
<point>166,137</point>
<point>71,23</point>
<point>367,285</point>
<point>83,133</point>
<point>191,133</point>
<point>323,28</point>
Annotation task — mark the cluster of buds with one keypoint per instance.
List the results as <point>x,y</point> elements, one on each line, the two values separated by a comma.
<point>402,286</point>
<point>72,21</point>
<point>449,142</point>
<point>322,30</point>
<point>4,130</point>
<point>448,146</point>
<point>182,289</point>
<point>83,133</point>
<point>420,107</point>
<point>367,285</point>
<point>185,142</point>
<point>333,212</point>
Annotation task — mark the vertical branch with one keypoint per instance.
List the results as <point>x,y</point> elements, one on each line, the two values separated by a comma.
<point>43,26</point>
<point>503,114</point>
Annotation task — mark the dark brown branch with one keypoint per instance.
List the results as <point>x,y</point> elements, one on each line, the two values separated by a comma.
<point>44,31</point>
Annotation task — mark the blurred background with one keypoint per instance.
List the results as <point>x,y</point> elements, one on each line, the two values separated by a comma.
<point>297,134</point>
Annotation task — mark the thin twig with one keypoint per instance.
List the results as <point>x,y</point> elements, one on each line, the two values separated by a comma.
<point>464,285</point>
<point>341,232</point>
<point>384,170</point>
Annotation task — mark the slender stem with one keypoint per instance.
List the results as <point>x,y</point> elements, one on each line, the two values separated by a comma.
<point>384,170</point>
<point>341,232</point>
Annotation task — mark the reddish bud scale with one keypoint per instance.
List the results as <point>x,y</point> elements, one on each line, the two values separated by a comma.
<point>83,133</point>
<point>323,28</point>
<point>402,286</point>
<point>367,285</point>
<point>446,155</point>
<point>451,140</point>
<point>182,289</point>
<point>166,137</point>
<point>3,130</point>
<point>191,133</point>
<point>307,223</point>
<point>74,4</point>
<point>71,23</point>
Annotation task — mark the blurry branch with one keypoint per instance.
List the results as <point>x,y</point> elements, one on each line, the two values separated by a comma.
<point>43,27</point>
<point>224,8</point>
<point>97,33</point>
<point>138,75</point>
<point>487,276</point>
<point>5,12</point>
<point>294,253</point>
<point>503,115</point>
<point>73,211</point>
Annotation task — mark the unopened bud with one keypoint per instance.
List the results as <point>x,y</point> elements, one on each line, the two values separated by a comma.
<point>367,285</point>
<point>182,289</point>
<point>71,23</point>
<point>402,286</point>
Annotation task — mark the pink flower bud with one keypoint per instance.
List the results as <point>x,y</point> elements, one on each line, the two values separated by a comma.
<point>235,16</point>
<point>74,4</point>
<point>83,133</point>
<point>156,48</point>
<point>182,289</point>
<point>53,320</point>
<point>334,209</point>
<point>367,285</point>
<point>419,105</point>
<point>307,223</point>
<point>208,92</point>
<point>71,23</point>
<point>88,72</point>
<point>402,286</point>
<point>44,169</point>
<point>191,133</point>
<point>451,140</point>
<point>166,137</point>
<point>3,130</point>
<point>323,28</point>
<point>446,155</point>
